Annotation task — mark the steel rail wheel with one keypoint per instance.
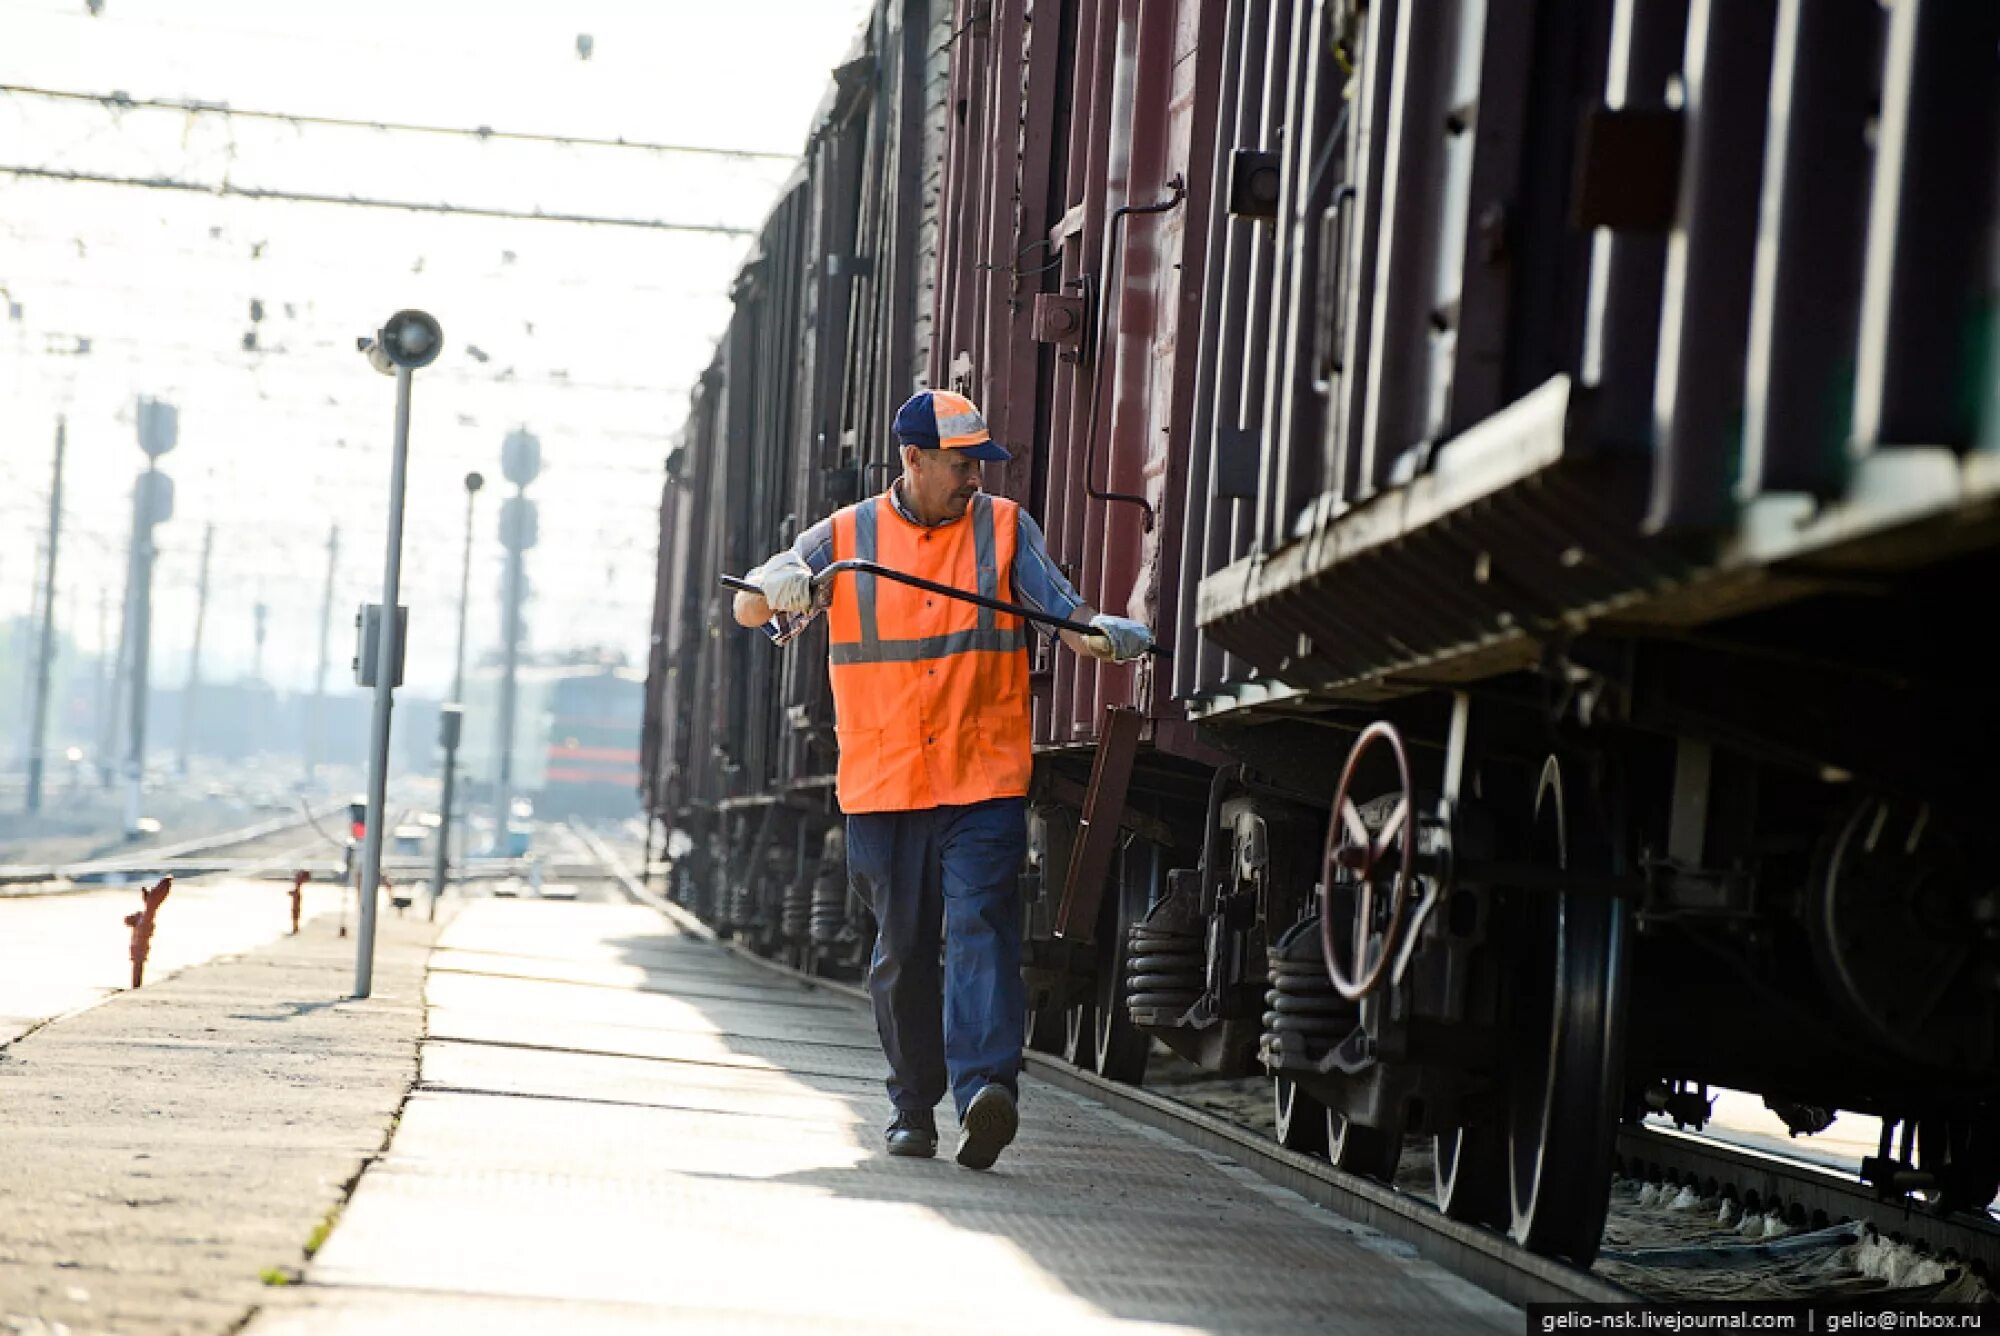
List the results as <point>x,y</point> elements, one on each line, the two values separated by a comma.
<point>1568,952</point>
<point>1079,1033</point>
<point>1965,1155</point>
<point>1301,1119</point>
<point>1371,1152</point>
<point>1045,1030</point>
<point>1469,1174</point>
<point>1118,1049</point>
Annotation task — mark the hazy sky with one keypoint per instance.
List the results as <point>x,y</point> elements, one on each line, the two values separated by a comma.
<point>588,336</point>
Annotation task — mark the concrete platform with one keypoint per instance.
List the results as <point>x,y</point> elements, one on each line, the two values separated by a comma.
<point>620,1127</point>
<point>63,953</point>
<point>162,1152</point>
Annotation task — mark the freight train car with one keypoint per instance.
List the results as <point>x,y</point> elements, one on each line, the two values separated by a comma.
<point>1559,442</point>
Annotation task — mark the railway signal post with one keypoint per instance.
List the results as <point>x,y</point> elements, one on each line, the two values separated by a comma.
<point>452,724</point>
<point>152,504</point>
<point>449,719</point>
<point>407,342</point>
<point>521,461</point>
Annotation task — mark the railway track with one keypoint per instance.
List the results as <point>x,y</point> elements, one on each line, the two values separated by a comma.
<point>1806,1197</point>
<point>246,850</point>
<point>273,848</point>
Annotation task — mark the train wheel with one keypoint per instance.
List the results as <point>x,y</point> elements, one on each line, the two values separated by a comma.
<point>1469,1171</point>
<point>1301,1119</point>
<point>1371,1152</point>
<point>1119,1047</point>
<point>1965,1157</point>
<point>1079,1030</point>
<point>1045,1028</point>
<point>1562,1100</point>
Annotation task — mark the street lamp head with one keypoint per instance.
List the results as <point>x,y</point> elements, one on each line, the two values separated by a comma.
<point>408,340</point>
<point>473,482</point>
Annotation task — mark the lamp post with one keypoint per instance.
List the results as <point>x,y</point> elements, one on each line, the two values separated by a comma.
<point>473,482</point>
<point>408,341</point>
<point>450,721</point>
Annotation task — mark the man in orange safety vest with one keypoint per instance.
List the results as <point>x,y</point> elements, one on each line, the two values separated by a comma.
<point>931,712</point>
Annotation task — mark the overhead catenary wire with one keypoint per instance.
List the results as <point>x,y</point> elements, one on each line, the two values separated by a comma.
<point>233,191</point>
<point>346,485</point>
<point>120,101</point>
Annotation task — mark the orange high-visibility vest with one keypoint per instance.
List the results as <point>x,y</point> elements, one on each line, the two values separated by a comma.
<point>930,694</point>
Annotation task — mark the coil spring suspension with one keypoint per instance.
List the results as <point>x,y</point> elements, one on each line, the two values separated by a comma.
<point>1165,970</point>
<point>1304,1015</point>
<point>829,890</point>
<point>796,916</point>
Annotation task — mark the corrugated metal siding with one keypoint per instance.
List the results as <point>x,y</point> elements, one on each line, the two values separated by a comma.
<point>1816,291</point>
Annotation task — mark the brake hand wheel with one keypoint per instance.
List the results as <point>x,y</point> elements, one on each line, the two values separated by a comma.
<point>1363,854</point>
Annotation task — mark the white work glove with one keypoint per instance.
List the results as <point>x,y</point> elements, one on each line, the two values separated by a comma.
<point>786,582</point>
<point>1126,638</point>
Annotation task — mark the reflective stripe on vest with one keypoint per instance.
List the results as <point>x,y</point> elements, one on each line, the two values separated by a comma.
<point>930,693</point>
<point>871,648</point>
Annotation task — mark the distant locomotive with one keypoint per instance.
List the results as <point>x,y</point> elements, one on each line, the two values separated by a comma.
<point>1560,443</point>
<point>576,733</point>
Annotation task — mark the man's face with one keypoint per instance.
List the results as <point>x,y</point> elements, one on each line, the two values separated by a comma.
<point>943,482</point>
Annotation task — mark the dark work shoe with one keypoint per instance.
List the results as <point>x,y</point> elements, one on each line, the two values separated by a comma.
<point>988,1127</point>
<point>913,1132</point>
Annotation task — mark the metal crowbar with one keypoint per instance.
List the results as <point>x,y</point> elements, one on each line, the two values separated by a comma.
<point>859,567</point>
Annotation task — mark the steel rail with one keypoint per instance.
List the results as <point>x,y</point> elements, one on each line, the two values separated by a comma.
<point>204,856</point>
<point>1807,1194</point>
<point>147,860</point>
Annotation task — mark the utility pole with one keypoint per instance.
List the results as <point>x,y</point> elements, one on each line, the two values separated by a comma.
<point>104,652</point>
<point>110,730</point>
<point>521,461</point>
<point>193,687</point>
<point>451,721</point>
<point>45,655</point>
<point>260,612</point>
<point>34,619</point>
<point>152,503</point>
<point>316,729</point>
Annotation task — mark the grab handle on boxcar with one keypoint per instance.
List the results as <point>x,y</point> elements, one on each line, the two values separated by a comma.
<point>1177,188</point>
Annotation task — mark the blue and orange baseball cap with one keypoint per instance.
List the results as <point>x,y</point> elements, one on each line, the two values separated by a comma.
<point>941,420</point>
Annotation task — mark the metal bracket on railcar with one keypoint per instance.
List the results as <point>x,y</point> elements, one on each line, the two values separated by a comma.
<point>1103,806</point>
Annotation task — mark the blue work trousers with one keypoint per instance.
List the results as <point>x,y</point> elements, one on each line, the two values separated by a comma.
<point>945,876</point>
